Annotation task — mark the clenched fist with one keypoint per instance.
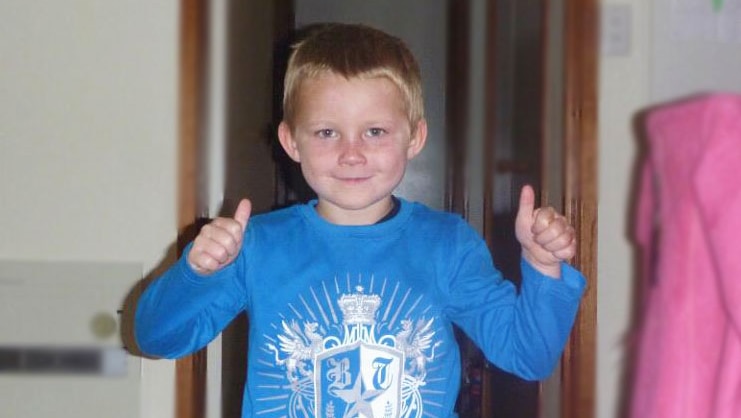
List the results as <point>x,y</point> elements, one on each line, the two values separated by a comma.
<point>544,234</point>
<point>219,242</point>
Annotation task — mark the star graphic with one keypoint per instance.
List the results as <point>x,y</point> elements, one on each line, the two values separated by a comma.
<point>359,398</point>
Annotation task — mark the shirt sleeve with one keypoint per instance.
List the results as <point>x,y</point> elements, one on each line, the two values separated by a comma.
<point>182,311</point>
<point>523,333</point>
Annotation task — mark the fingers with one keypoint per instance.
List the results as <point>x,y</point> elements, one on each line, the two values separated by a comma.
<point>219,242</point>
<point>543,218</point>
<point>222,238</point>
<point>552,232</point>
<point>216,245</point>
<point>546,236</point>
<point>566,253</point>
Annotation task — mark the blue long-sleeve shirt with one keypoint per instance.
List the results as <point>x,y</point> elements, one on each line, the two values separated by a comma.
<point>359,319</point>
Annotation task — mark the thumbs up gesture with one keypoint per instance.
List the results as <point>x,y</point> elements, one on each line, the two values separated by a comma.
<point>544,234</point>
<point>219,242</point>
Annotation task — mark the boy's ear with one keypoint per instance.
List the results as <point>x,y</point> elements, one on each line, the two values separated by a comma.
<point>417,142</point>
<point>286,141</point>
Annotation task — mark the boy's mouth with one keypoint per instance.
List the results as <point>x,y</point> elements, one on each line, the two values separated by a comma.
<point>353,180</point>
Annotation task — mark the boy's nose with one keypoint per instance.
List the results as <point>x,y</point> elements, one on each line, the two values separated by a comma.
<point>351,153</point>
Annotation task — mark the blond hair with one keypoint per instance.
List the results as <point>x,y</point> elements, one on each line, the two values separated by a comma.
<point>353,51</point>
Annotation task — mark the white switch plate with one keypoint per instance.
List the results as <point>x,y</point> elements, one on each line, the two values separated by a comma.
<point>616,29</point>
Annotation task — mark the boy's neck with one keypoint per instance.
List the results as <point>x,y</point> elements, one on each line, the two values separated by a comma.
<point>395,208</point>
<point>376,213</point>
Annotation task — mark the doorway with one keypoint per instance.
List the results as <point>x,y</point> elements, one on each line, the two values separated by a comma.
<point>522,99</point>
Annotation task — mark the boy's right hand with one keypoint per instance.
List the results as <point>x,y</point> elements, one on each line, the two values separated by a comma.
<point>219,242</point>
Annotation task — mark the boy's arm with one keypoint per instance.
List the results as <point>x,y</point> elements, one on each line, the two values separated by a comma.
<point>526,333</point>
<point>521,333</point>
<point>197,297</point>
<point>182,311</point>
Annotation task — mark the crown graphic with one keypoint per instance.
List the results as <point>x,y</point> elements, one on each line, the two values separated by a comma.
<point>358,308</point>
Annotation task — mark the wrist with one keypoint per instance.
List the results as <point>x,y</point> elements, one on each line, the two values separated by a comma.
<point>550,269</point>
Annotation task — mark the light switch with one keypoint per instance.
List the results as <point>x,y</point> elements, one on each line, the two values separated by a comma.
<point>617,27</point>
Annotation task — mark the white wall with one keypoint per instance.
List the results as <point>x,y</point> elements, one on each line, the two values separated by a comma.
<point>695,48</point>
<point>662,65</point>
<point>623,90</point>
<point>88,131</point>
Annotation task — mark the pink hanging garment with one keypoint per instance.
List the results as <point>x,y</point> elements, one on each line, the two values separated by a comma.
<point>688,363</point>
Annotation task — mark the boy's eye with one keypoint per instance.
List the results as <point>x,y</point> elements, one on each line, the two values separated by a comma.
<point>326,133</point>
<point>374,132</point>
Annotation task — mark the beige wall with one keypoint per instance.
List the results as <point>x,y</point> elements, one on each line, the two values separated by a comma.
<point>88,130</point>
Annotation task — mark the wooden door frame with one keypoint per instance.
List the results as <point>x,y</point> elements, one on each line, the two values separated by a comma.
<point>190,371</point>
<point>580,192</point>
<point>578,372</point>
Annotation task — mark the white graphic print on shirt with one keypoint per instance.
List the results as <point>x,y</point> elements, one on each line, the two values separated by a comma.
<point>350,352</point>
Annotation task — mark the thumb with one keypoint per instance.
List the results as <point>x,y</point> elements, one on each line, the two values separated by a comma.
<point>242,214</point>
<point>527,205</point>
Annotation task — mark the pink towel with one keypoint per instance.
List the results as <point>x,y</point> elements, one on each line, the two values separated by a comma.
<point>688,363</point>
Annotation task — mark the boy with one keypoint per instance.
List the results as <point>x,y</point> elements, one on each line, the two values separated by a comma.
<point>352,297</point>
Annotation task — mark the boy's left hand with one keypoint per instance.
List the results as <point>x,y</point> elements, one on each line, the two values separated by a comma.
<point>545,235</point>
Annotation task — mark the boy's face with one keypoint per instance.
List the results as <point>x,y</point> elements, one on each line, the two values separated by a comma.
<point>353,141</point>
